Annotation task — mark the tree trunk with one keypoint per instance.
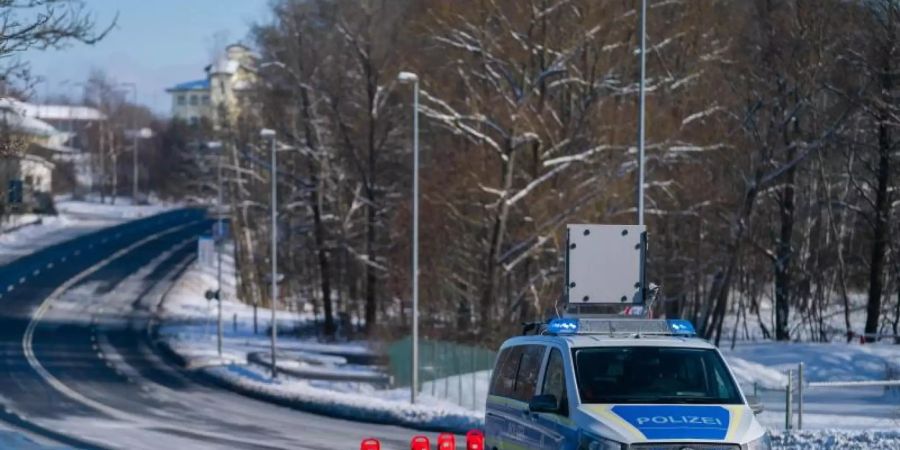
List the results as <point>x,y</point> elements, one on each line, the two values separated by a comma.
<point>880,232</point>
<point>783,255</point>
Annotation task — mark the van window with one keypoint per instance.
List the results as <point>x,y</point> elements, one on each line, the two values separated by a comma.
<point>653,375</point>
<point>526,378</point>
<point>517,371</point>
<point>504,379</point>
<point>555,377</point>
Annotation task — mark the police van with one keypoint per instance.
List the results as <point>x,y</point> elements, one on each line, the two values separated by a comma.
<point>617,384</point>
<point>604,376</point>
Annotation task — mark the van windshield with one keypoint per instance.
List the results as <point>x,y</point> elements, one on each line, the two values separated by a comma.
<point>667,375</point>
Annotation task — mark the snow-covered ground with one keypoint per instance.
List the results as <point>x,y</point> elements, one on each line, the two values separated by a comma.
<point>74,218</point>
<point>188,327</point>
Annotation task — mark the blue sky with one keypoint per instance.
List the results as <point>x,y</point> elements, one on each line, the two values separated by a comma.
<point>156,44</point>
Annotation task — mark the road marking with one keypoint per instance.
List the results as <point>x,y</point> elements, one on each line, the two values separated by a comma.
<point>22,280</point>
<point>36,272</point>
<point>63,259</point>
<point>49,265</point>
<point>28,338</point>
<point>76,252</point>
<point>10,288</point>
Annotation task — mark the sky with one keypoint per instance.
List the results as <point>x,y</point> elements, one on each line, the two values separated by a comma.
<point>155,44</point>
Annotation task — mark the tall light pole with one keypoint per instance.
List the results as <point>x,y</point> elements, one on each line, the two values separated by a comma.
<point>134,153</point>
<point>641,114</point>
<point>217,146</point>
<point>269,134</point>
<point>406,78</point>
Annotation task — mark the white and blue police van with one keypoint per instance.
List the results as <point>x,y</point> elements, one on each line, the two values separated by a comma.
<point>617,384</point>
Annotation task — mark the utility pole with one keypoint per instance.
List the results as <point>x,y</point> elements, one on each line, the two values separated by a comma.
<point>641,113</point>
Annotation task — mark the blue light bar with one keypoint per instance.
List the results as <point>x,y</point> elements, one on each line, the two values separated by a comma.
<point>681,327</point>
<point>563,326</point>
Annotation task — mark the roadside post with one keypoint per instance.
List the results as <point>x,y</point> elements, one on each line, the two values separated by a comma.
<point>800,396</point>
<point>787,401</point>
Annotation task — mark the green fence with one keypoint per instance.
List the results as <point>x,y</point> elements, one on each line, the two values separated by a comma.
<point>447,370</point>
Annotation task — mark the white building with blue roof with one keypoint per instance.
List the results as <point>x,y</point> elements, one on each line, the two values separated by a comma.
<point>191,101</point>
<point>228,78</point>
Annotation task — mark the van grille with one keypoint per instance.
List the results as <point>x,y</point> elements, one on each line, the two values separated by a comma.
<point>684,446</point>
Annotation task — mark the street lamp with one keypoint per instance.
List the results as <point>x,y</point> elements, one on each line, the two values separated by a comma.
<point>641,114</point>
<point>142,133</point>
<point>412,78</point>
<point>217,146</point>
<point>134,154</point>
<point>269,134</point>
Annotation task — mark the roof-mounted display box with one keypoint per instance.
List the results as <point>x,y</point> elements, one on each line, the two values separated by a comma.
<point>604,267</point>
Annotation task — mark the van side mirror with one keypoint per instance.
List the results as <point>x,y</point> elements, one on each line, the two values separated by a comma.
<point>755,404</point>
<point>544,403</point>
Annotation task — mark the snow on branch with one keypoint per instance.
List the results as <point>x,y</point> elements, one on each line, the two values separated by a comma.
<point>583,156</point>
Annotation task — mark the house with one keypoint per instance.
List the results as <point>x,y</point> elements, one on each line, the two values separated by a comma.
<point>26,175</point>
<point>228,80</point>
<point>57,133</point>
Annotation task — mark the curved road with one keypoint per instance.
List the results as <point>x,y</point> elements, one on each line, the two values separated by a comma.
<point>78,368</point>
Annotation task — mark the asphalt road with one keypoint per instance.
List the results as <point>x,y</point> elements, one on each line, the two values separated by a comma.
<point>79,370</point>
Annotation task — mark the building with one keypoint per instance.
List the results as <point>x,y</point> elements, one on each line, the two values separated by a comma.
<point>35,138</point>
<point>191,101</point>
<point>228,79</point>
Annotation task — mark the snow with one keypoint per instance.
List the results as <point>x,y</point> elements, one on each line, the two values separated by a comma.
<point>837,440</point>
<point>22,235</point>
<point>188,328</point>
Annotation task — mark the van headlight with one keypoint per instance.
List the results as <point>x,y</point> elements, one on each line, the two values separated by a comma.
<point>763,443</point>
<point>589,442</point>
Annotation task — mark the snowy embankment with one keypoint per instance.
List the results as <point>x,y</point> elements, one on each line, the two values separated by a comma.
<point>188,329</point>
<point>837,440</point>
<point>22,235</point>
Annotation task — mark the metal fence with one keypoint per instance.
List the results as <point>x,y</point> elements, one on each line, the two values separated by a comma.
<point>797,387</point>
<point>447,370</point>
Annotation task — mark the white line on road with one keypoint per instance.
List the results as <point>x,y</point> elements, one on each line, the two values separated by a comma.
<point>49,265</point>
<point>28,338</point>
<point>22,280</point>
<point>10,288</point>
<point>36,272</point>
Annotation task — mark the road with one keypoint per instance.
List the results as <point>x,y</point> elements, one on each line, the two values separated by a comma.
<point>79,369</point>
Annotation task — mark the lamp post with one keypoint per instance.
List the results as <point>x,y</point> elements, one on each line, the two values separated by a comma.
<point>134,153</point>
<point>269,134</point>
<point>641,115</point>
<point>217,146</point>
<point>407,78</point>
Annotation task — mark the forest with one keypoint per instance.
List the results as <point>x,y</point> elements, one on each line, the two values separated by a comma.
<point>771,175</point>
